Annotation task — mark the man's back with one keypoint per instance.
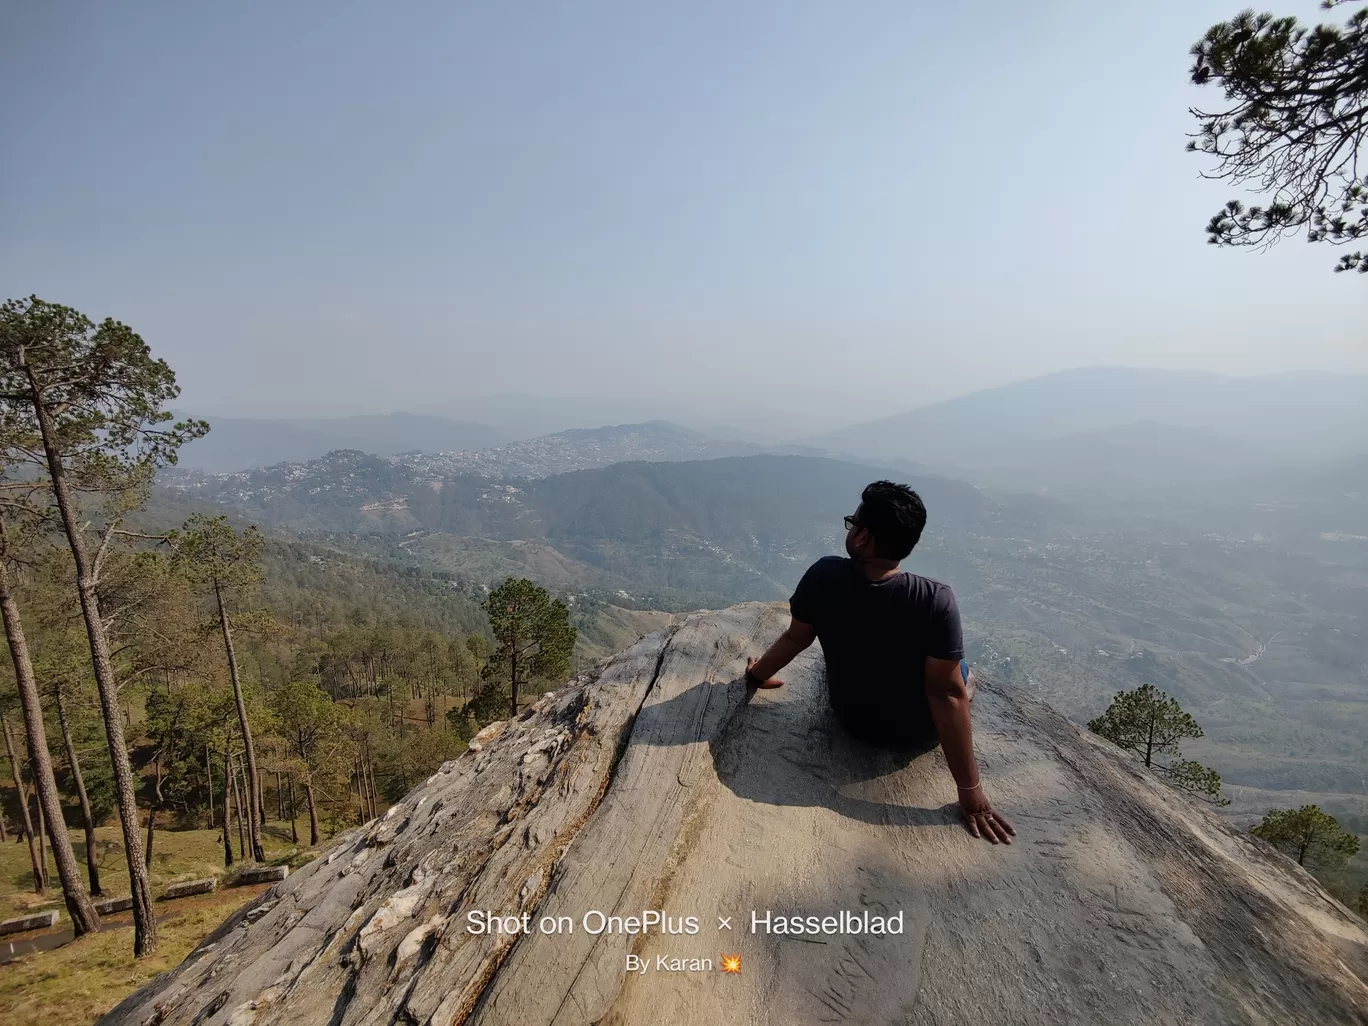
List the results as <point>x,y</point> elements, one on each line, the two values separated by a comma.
<point>875,636</point>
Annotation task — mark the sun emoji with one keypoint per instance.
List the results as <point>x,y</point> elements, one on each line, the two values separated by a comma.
<point>731,964</point>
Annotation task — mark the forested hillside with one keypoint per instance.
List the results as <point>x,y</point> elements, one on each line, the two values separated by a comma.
<point>397,649</point>
<point>678,534</point>
<point>166,662</point>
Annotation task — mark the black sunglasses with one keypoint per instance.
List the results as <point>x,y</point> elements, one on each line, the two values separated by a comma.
<point>851,523</point>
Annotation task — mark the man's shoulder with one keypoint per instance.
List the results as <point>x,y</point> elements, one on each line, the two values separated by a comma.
<point>822,575</point>
<point>929,589</point>
<point>828,568</point>
<point>929,583</point>
<point>829,563</point>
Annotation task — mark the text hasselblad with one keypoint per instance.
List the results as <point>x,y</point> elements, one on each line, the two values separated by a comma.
<point>596,922</point>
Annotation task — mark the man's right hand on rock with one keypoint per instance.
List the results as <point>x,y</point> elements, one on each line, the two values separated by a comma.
<point>980,819</point>
<point>756,682</point>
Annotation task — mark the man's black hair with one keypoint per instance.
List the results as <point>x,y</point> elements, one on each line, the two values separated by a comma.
<point>895,516</point>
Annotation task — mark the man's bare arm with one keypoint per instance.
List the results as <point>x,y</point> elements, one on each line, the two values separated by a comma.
<point>948,696</point>
<point>797,637</point>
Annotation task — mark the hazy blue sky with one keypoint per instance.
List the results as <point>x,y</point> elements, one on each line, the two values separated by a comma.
<point>790,213</point>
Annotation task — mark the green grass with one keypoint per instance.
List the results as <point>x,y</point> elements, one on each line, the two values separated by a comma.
<point>176,855</point>
<point>81,981</point>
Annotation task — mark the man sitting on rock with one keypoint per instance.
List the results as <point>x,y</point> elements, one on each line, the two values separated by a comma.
<point>893,646</point>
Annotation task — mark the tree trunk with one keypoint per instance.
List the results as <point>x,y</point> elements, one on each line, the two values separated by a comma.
<point>513,682</point>
<point>16,770</point>
<point>42,830</point>
<point>227,802</point>
<point>376,800</point>
<point>371,796</point>
<point>144,922</point>
<point>294,833</point>
<point>147,844</point>
<point>1149,743</point>
<point>361,815</point>
<point>238,802</point>
<point>313,811</point>
<point>209,776</point>
<point>87,817</point>
<point>280,798</point>
<point>363,785</point>
<point>152,808</point>
<point>253,787</point>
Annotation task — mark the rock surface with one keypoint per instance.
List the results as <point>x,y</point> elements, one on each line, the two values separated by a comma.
<point>261,874</point>
<point>37,921</point>
<point>660,784</point>
<point>189,887</point>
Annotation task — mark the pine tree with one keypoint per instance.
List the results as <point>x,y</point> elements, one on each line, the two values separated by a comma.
<point>92,399</point>
<point>1149,723</point>
<point>1312,837</point>
<point>84,918</point>
<point>1294,124</point>
<point>210,552</point>
<point>314,727</point>
<point>30,835</point>
<point>531,631</point>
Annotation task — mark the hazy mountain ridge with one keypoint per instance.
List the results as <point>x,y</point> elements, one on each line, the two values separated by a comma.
<point>239,443</point>
<point>710,529</point>
<point>579,449</point>
<point>1108,428</point>
<point>417,444</point>
<point>1086,433</point>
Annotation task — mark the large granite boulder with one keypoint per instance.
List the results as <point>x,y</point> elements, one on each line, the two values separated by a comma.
<point>658,784</point>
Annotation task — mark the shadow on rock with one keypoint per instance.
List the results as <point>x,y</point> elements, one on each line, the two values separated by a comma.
<point>786,748</point>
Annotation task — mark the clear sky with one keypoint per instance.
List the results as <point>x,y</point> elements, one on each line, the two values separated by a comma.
<point>783,214</point>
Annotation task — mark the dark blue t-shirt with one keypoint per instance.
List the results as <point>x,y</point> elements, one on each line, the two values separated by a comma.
<point>875,636</point>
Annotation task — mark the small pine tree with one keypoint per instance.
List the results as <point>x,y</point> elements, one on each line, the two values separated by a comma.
<point>1150,724</point>
<point>1313,837</point>
<point>532,633</point>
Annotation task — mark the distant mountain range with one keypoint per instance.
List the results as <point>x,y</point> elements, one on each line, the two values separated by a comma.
<point>238,443</point>
<point>1098,433</point>
<point>580,449</point>
<point>560,453</point>
<point>1098,430</point>
<point>709,528</point>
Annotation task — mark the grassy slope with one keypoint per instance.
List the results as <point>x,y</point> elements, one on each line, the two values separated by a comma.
<point>81,981</point>
<point>613,628</point>
<point>176,855</point>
